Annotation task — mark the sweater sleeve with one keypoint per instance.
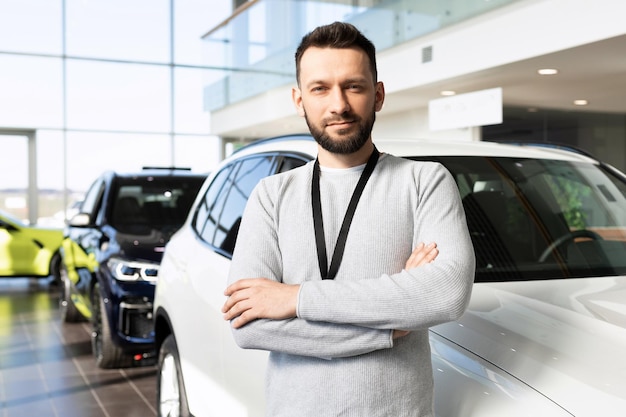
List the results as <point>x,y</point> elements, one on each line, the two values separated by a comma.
<point>418,298</point>
<point>257,254</point>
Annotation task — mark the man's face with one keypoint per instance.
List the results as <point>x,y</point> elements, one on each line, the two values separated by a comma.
<point>338,97</point>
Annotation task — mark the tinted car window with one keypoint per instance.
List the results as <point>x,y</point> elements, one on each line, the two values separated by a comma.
<point>288,162</point>
<point>218,215</point>
<point>249,173</point>
<point>533,219</point>
<point>141,204</point>
<point>210,207</point>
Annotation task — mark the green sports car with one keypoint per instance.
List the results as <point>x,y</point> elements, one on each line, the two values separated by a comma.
<point>28,251</point>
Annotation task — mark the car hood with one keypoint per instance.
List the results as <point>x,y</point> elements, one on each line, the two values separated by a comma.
<point>149,247</point>
<point>564,338</point>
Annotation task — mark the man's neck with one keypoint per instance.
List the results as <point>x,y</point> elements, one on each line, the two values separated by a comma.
<point>334,160</point>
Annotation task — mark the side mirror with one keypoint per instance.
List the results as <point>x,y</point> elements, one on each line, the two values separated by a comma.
<point>80,220</point>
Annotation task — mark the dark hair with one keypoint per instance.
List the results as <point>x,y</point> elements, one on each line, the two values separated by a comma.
<point>338,35</point>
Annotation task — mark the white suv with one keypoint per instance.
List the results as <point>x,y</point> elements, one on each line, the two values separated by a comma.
<point>545,332</point>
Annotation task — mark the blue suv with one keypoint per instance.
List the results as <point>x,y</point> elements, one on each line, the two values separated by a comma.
<point>111,254</point>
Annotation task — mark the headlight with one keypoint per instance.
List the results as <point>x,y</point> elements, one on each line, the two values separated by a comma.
<point>133,271</point>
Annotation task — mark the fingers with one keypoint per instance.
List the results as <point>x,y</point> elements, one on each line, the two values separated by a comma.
<point>241,290</point>
<point>236,305</point>
<point>400,333</point>
<point>257,298</point>
<point>422,255</point>
<point>243,318</point>
<point>240,285</point>
<point>240,308</point>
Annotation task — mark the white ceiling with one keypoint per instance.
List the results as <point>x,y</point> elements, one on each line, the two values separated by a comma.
<point>595,72</point>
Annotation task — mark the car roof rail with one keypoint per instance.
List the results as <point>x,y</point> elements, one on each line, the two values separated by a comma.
<point>553,145</point>
<point>155,168</point>
<point>571,148</point>
<point>295,136</point>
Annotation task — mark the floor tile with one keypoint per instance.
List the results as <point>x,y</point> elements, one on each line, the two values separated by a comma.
<point>47,368</point>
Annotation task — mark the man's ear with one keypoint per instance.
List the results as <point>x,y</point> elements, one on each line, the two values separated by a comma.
<point>296,96</point>
<point>380,96</point>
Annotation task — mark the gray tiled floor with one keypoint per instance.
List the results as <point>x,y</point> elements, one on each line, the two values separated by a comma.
<point>47,369</point>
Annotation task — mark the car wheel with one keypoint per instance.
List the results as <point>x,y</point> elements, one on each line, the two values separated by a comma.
<point>171,396</point>
<point>69,312</point>
<point>107,354</point>
<point>55,268</point>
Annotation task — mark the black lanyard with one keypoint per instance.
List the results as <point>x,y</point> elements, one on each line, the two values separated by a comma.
<point>318,223</point>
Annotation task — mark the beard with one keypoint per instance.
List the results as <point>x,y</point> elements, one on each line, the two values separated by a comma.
<point>348,143</point>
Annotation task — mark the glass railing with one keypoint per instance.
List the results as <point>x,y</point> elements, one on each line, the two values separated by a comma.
<point>257,44</point>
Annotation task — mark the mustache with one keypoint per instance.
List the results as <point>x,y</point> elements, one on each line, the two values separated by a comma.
<point>346,117</point>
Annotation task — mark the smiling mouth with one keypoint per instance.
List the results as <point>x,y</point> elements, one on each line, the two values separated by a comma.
<point>340,123</point>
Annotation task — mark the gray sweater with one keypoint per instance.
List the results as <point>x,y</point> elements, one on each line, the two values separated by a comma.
<point>338,358</point>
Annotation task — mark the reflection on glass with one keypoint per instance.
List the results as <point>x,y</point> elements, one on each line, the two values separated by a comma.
<point>542,219</point>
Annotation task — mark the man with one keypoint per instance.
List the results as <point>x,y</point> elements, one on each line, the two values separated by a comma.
<point>345,314</point>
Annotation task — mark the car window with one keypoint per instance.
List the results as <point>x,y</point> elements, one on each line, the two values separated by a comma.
<point>290,162</point>
<point>218,217</point>
<point>207,214</point>
<point>249,173</point>
<point>534,219</point>
<point>141,204</point>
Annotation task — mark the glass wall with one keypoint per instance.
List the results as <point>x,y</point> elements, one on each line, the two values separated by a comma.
<point>260,53</point>
<point>103,84</point>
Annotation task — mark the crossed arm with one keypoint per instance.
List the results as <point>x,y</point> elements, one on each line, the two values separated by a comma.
<point>261,298</point>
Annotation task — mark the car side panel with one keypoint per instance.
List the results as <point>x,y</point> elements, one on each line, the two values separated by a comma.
<point>80,268</point>
<point>220,378</point>
<point>17,253</point>
<point>27,251</point>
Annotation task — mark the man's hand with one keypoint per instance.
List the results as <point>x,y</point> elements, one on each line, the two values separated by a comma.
<point>421,255</point>
<point>259,298</point>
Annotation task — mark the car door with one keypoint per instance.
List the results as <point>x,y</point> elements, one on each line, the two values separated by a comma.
<point>17,251</point>
<point>216,223</point>
<point>82,237</point>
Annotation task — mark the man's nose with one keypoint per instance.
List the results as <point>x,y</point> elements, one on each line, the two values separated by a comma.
<point>339,101</point>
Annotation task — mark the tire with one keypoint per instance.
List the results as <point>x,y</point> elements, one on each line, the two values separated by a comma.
<point>55,269</point>
<point>171,394</point>
<point>107,354</point>
<point>69,312</point>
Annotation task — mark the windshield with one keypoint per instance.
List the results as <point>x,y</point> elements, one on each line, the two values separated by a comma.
<point>162,203</point>
<point>542,219</point>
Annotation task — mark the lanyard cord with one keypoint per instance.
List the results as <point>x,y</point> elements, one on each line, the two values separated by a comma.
<point>318,223</point>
